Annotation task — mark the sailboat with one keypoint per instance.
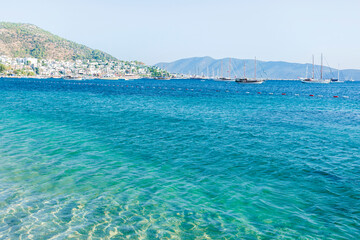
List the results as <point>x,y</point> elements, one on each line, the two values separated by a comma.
<point>249,80</point>
<point>197,75</point>
<point>337,80</point>
<point>226,78</point>
<point>313,80</point>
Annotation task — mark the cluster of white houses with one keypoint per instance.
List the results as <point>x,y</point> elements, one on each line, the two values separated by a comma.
<point>83,68</point>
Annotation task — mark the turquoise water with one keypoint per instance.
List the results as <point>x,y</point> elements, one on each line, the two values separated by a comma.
<point>179,160</point>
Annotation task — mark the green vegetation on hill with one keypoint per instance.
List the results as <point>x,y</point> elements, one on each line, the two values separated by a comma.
<point>27,40</point>
<point>2,68</point>
<point>157,72</point>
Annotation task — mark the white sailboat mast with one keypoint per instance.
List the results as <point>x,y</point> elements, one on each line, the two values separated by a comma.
<point>313,77</point>
<point>255,68</point>
<point>321,66</point>
<point>229,68</point>
<point>221,68</point>
<point>244,69</point>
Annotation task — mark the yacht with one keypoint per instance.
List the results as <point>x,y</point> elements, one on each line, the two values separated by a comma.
<point>162,78</point>
<point>196,77</point>
<point>249,80</point>
<point>245,80</point>
<point>313,80</point>
<point>72,78</point>
<point>224,79</point>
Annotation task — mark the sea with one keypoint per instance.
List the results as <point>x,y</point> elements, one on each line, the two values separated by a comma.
<point>179,159</point>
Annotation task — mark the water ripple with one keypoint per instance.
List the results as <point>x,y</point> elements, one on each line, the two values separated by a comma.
<point>152,160</point>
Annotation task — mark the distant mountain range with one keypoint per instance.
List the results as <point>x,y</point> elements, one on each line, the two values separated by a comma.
<point>27,40</point>
<point>208,66</point>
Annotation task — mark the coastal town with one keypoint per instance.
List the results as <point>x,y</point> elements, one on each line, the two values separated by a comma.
<point>78,69</point>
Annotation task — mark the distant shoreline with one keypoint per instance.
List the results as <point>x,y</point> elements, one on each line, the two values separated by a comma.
<point>125,78</point>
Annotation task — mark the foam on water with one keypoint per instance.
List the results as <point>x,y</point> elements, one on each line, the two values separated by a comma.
<point>178,159</point>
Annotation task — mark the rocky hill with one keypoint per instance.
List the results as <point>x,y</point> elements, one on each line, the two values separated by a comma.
<point>27,40</point>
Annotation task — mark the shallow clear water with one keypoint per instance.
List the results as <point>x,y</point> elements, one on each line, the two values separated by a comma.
<point>179,159</point>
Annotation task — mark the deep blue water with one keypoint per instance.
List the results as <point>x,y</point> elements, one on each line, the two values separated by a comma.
<point>179,159</point>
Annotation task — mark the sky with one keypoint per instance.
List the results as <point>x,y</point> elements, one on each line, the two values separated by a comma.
<point>168,30</point>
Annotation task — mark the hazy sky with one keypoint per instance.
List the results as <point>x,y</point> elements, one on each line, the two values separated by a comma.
<point>167,30</point>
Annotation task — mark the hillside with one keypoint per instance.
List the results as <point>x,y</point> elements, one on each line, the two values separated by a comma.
<point>265,69</point>
<point>27,40</point>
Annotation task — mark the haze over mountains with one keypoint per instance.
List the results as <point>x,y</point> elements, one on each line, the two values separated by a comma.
<point>265,69</point>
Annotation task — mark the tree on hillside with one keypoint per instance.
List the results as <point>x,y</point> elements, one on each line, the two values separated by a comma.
<point>38,52</point>
<point>2,68</point>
